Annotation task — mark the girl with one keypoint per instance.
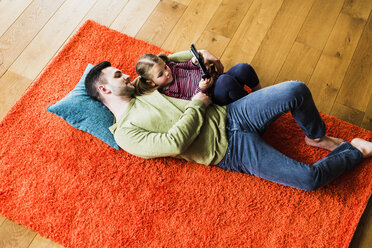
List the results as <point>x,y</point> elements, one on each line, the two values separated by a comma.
<point>184,80</point>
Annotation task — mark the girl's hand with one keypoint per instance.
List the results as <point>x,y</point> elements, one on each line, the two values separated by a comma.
<point>204,84</point>
<point>194,61</point>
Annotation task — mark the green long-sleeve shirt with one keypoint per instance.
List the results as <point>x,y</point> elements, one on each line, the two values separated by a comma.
<point>156,125</point>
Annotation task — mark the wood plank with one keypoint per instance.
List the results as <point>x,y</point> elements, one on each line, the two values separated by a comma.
<point>305,53</point>
<point>184,2</point>
<point>347,114</point>
<point>356,88</point>
<point>357,8</point>
<point>27,25</point>
<point>133,16</point>
<point>104,12</point>
<point>335,59</point>
<point>299,64</point>
<point>252,30</point>
<point>319,23</point>
<point>10,10</point>
<point>41,242</point>
<point>275,47</point>
<point>13,235</point>
<point>161,22</point>
<point>191,25</point>
<point>228,17</point>
<point>214,43</point>
<point>2,219</point>
<point>367,120</point>
<point>47,42</point>
<point>12,87</point>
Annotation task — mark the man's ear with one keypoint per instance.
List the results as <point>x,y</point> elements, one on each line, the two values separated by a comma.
<point>103,89</point>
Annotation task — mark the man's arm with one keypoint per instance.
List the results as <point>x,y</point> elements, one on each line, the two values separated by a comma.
<point>149,144</point>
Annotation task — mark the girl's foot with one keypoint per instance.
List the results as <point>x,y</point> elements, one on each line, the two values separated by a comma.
<point>364,146</point>
<point>325,142</point>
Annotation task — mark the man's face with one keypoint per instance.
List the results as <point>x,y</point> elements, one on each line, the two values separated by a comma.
<point>117,82</point>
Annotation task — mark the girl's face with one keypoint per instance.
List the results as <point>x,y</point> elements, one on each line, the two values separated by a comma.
<point>161,74</point>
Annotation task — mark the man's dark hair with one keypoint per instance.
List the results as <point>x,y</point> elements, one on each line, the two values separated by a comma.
<point>93,78</point>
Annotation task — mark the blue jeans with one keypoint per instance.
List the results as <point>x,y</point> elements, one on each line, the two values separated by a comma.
<point>247,152</point>
<point>229,86</point>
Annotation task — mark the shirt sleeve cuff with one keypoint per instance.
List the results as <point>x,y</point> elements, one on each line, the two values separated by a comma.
<point>196,103</point>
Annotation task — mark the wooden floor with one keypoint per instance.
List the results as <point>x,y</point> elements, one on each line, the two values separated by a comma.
<point>325,43</point>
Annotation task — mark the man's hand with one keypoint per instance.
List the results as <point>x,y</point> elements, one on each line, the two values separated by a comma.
<point>204,84</point>
<point>209,59</point>
<point>203,97</point>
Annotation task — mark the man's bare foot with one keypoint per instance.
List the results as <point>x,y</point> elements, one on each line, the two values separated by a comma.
<point>325,142</point>
<point>364,146</point>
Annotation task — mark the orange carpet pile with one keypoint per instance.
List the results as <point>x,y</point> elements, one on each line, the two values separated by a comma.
<point>69,186</point>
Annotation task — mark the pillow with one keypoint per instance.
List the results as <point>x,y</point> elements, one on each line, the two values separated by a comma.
<point>84,113</point>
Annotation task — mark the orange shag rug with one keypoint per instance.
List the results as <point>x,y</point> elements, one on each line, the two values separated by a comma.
<point>71,187</point>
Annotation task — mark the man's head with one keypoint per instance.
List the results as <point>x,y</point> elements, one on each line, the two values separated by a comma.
<point>104,81</point>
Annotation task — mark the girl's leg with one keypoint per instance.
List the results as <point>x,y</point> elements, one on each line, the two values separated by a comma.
<point>227,90</point>
<point>256,111</point>
<point>244,74</point>
<point>229,87</point>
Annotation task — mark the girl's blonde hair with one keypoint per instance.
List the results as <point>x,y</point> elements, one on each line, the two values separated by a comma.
<point>143,66</point>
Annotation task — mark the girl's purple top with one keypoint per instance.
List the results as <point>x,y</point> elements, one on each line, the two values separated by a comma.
<point>186,78</point>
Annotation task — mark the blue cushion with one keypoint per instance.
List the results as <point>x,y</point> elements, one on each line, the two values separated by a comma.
<point>84,113</point>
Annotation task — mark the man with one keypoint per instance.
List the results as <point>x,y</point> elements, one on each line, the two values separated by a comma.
<point>156,125</point>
